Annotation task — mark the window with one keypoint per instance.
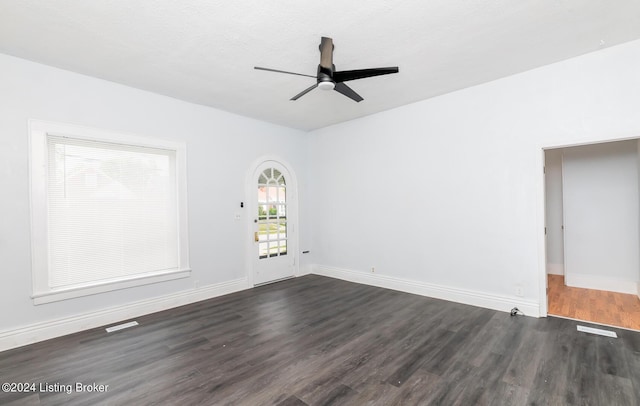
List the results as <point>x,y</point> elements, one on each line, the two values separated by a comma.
<point>272,214</point>
<point>108,210</point>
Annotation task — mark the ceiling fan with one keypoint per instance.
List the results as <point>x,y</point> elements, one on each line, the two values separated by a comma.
<point>330,79</point>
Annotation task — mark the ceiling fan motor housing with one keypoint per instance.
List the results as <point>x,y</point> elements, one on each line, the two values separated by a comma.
<point>325,78</point>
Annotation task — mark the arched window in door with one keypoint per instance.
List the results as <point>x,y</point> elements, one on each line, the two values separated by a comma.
<point>272,214</point>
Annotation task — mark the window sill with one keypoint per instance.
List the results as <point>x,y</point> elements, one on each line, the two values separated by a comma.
<point>56,295</point>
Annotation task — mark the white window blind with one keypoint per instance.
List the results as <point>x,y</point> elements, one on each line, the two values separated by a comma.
<point>112,212</point>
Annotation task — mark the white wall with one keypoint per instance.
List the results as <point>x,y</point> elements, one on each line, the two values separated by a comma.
<point>553,211</point>
<point>600,196</point>
<point>448,193</point>
<point>220,149</point>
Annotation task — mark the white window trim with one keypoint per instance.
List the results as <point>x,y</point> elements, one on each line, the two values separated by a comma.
<point>38,165</point>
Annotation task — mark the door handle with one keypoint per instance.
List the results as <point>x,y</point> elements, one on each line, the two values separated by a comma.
<point>255,236</point>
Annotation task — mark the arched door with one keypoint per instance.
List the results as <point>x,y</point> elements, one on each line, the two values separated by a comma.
<point>273,223</point>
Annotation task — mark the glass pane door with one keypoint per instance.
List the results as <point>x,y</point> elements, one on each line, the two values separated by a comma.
<point>272,214</point>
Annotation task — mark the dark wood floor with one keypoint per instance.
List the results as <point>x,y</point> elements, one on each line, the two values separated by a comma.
<point>320,341</point>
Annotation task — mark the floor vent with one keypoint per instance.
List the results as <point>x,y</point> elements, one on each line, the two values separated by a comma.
<point>598,331</point>
<point>121,326</point>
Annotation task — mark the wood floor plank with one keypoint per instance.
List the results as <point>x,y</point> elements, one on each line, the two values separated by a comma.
<point>292,401</point>
<point>506,394</point>
<point>320,341</point>
<point>521,371</point>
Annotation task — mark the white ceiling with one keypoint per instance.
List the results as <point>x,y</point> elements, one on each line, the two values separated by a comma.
<point>204,51</point>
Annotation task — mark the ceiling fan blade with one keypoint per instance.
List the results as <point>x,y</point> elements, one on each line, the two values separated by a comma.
<point>346,75</point>
<point>347,91</point>
<point>305,91</point>
<point>326,53</point>
<point>282,71</point>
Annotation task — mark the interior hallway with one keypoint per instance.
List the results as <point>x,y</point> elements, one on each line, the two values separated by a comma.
<point>598,306</point>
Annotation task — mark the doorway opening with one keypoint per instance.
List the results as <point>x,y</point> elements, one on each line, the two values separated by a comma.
<point>592,232</point>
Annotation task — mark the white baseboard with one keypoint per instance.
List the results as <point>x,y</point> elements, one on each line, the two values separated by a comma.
<point>68,325</point>
<point>555,269</point>
<point>601,283</point>
<point>305,269</point>
<point>474,298</point>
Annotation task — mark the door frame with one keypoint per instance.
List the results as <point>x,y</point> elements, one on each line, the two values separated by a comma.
<point>251,208</point>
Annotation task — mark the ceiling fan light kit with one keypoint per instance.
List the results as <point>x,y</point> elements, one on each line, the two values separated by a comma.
<point>326,85</point>
<point>328,78</point>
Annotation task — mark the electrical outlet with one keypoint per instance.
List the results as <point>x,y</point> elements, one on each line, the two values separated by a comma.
<point>373,269</point>
<point>519,291</point>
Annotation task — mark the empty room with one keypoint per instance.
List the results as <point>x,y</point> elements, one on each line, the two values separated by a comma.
<point>329,203</point>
